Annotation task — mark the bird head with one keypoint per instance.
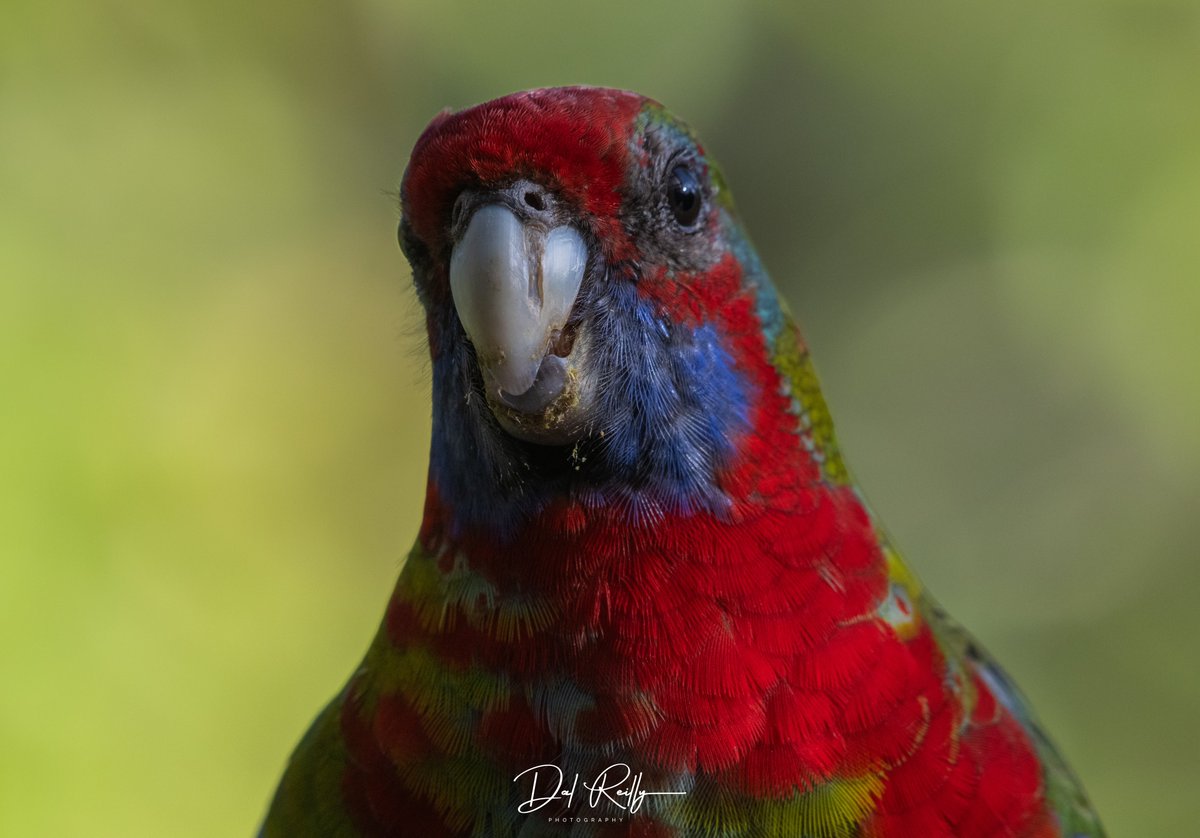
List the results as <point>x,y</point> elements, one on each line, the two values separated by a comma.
<point>595,314</point>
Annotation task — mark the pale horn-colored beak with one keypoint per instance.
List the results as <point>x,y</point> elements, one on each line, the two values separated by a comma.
<point>514,284</point>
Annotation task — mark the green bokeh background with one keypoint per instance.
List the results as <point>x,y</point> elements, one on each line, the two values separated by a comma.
<point>214,398</point>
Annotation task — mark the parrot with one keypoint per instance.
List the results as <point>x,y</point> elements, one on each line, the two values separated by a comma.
<point>647,597</point>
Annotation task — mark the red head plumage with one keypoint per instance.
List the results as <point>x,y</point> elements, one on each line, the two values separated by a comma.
<point>573,140</point>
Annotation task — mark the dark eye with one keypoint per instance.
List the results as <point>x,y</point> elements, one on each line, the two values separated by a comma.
<point>684,195</point>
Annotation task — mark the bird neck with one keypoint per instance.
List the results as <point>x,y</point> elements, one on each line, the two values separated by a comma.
<point>579,568</point>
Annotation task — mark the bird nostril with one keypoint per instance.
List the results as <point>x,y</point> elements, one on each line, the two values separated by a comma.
<point>535,200</point>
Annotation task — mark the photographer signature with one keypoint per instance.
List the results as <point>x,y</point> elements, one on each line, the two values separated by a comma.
<point>617,784</point>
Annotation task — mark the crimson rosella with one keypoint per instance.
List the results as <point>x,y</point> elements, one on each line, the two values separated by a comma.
<point>646,598</point>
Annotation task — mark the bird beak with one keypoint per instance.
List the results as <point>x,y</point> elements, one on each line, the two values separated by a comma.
<point>514,282</point>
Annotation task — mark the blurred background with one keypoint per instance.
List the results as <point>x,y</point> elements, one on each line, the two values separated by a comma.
<point>215,400</point>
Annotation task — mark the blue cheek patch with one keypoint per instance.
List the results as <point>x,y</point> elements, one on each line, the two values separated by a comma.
<point>670,404</point>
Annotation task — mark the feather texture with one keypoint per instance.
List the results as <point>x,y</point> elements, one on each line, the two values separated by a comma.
<point>694,589</point>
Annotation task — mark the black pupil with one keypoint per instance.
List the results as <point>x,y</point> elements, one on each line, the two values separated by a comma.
<point>683,194</point>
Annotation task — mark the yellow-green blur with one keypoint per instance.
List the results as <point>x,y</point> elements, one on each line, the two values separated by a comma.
<point>213,392</point>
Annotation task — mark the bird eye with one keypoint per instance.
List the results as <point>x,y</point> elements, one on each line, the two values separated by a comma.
<point>684,195</point>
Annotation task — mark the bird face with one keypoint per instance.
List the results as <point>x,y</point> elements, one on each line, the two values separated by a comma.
<point>563,229</point>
